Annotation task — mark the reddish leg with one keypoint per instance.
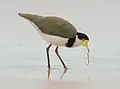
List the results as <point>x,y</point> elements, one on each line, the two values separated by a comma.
<point>56,50</point>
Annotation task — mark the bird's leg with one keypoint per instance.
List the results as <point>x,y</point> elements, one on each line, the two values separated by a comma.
<point>56,51</point>
<point>49,73</point>
<point>47,50</point>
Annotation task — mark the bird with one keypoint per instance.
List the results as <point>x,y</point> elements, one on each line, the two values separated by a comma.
<point>57,31</point>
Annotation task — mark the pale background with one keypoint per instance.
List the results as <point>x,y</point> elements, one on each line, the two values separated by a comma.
<point>22,50</point>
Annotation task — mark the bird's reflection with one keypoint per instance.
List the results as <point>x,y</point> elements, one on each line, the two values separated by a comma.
<point>61,76</point>
<point>49,72</point>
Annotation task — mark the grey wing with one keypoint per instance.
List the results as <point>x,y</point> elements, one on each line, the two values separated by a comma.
<point>57,26</point>
<point>52,25</point>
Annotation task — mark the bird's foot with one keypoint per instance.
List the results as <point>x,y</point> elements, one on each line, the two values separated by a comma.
<point>65,68</point>
<point>49,67</point>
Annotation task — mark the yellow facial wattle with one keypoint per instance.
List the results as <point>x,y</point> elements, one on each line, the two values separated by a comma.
<point>85,43</point>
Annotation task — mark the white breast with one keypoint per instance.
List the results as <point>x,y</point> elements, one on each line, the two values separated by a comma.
<point>77,43</point>
<point>55,40</point>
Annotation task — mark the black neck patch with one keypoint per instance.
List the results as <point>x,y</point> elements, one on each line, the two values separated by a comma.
<point>70,42</point>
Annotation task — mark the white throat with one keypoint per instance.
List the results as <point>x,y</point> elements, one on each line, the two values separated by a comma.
<point>78,42</point>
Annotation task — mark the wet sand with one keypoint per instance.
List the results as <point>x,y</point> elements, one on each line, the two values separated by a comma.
<point>98,75</point>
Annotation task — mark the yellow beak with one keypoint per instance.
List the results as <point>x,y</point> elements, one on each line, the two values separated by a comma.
<point>85,43</point>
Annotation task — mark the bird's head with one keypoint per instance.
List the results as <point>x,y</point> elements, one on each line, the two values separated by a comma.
<point>84,38</point>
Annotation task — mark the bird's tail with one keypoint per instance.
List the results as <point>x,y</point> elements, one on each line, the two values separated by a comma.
<point>31,17</point>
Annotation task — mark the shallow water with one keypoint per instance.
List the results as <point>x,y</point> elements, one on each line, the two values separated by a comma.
<point>28,70</point>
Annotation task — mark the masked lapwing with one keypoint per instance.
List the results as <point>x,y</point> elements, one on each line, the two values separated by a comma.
<point>57,31</point>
